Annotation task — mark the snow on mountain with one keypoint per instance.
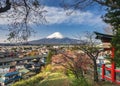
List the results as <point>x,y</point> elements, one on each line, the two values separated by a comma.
<point>55,38</point>
<point>57,35</point>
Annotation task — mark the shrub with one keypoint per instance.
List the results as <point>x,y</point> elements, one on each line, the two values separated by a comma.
<point>48,68</point>
<point>80,82</point>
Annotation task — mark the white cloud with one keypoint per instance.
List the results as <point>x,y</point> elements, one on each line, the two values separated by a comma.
<point>58,15</point>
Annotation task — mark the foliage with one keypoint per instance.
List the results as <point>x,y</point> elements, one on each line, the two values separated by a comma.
<point>48,68</point>
<point>82,4</point>
<point>55,79</point>
<point>50,54</point>
<point>31,81</point>
<point>74,63</point>
<point>45,79</point>
<point>80,82</point>
<point>48,60</point>
<point>89,47</point>
<point>116,44</point>
<point>20,14</point>
<point>58,79</point>
<point>112,17</point>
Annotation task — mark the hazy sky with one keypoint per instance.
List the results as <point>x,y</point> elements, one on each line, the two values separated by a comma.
<point>69,26</point>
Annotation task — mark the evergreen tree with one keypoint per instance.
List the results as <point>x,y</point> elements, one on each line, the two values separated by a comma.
<point>112,17</point>
<point>116,45</point>
<point>49,57</point>
<point>50,54</point>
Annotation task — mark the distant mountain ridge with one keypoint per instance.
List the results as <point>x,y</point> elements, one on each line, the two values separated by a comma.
<point>54,38</point>
<point>55,41</point>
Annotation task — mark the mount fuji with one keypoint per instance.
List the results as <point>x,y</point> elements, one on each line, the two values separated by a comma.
<point>55,38</point>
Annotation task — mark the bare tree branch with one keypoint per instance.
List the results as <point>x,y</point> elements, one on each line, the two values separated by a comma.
<point>22,15</point>
<point>6,8</point>
<point>89,47</point>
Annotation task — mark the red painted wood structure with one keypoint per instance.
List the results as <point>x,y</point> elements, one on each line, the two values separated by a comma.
<point>107,38</point>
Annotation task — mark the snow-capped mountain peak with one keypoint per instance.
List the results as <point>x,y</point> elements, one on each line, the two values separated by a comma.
<point>57,35</point>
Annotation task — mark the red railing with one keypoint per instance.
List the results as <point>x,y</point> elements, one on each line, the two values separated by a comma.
<point>112,76</point>
<point>112,69</point>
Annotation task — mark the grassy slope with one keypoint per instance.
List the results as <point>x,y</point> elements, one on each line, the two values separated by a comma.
<point>56,79</point>
<point>50,79</point>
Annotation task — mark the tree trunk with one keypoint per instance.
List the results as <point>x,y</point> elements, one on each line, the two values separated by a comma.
<point>95,72</point>
<point>78,73</point>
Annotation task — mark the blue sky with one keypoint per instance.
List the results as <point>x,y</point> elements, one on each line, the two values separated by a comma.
<point>78,22</point>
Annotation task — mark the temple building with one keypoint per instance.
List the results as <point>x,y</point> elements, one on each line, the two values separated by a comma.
<point>105,38</point>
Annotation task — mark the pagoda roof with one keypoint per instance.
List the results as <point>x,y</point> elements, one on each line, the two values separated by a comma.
<point>103,37</point>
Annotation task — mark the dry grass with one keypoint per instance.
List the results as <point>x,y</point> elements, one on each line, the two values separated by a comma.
<point>55,79</point>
